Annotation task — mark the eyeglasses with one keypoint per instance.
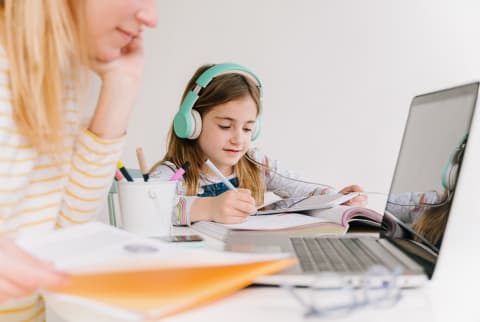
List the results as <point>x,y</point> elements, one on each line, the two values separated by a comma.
<point>334,296</point>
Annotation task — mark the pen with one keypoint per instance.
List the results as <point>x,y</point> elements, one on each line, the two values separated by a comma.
<point>123,170</point>
<point>220,175</point>
<point>142,164</point>
<point>180,172</point>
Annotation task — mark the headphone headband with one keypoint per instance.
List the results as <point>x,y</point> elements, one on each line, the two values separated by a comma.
<point>221,69</point>
<point>187,123</point>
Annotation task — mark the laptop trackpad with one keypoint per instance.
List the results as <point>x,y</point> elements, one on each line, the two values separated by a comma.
<point>246,242</point>
<point>250,248</point>
<point>251,242</point>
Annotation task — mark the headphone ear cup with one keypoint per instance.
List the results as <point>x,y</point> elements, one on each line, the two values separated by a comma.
<point>257,129</point>
<point>196,125</point>
<point>452,177</point>
<point>182,125</point>
<point>454,168</point>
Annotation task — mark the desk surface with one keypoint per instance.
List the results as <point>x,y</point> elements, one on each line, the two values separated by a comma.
<point>275,304</point>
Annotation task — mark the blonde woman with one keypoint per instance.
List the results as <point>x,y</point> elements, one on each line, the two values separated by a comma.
<point>54,172</point>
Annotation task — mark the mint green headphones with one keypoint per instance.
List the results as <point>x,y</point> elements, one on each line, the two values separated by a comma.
<point>451,170</point>
<point>187,123</point>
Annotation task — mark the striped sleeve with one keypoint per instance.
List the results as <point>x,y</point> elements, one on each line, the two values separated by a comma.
<point>283,182</point>
<point>91,172</point>
<point>181,208</point>
<point>181,211</point>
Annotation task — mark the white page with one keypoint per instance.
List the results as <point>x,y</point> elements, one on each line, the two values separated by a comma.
<point>301,204</point>
<point>96,247</point>
<point>279,221</point>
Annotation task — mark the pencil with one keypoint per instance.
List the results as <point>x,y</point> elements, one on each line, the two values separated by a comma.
<point>142,163</point>
<point>220,175</point>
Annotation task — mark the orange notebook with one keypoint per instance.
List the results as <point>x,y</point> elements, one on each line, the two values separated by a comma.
<point>159,293</point>
<point>151,279</point>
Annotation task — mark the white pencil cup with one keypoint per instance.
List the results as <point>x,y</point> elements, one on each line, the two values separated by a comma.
<point>146,207</point>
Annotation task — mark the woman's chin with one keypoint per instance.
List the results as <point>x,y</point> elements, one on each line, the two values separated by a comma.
<point>107,56</point>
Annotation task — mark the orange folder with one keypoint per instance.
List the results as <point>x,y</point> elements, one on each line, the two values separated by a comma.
<point>163,292</point>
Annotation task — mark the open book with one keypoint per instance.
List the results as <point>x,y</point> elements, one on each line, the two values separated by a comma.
<point>119,274</point>
<point>336,220</point>
<point>302,204</point>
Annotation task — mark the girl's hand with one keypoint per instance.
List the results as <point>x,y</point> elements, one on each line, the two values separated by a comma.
<point>233,207</point>
<point>21,274</point>
<point>361,200</point>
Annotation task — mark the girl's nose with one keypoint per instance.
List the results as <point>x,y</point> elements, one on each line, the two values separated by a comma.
<point>237,136</point>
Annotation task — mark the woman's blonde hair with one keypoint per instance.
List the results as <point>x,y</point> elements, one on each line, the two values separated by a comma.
<point>220,90</point>
<point>45,46</point>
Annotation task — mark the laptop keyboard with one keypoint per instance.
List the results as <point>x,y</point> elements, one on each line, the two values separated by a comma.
<point>320,254</point>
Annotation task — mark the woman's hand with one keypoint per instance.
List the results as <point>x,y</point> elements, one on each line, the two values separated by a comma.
<point>121,78</point>
<point>120,85</point>
<point>129,65</point>
<point>21,274</point>
<point>360,200</point>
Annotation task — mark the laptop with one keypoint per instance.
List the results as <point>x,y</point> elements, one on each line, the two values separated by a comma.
<point>430,157</point>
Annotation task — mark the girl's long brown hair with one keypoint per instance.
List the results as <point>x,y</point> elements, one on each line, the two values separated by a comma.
<point>432,222</point>
<point>220,90</point>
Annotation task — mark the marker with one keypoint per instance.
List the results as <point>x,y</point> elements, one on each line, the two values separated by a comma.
<point>142,164</point>
<point>118,175</point>
<point>180,172</point>
<point>124,171</point>
<point>220,175</point>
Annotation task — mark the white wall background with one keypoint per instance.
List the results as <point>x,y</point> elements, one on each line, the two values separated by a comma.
<point>338,75</point>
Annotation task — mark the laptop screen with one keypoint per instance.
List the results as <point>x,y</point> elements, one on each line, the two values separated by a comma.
<point>428,164</point>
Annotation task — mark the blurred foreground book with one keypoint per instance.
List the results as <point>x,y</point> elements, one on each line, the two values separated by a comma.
<point>138,278</point>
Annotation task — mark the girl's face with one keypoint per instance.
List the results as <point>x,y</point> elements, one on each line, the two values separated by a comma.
<point>227,132</point>
<point>112,24</point>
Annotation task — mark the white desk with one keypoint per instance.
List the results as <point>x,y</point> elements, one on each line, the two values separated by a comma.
<point>272,304</point>
<point>275,304</point>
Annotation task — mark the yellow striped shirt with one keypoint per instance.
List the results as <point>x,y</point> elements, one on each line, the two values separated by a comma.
<point>38,196</point>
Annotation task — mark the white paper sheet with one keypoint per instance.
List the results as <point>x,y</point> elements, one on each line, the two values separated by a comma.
<point>279,221</point>
<point>96,247</point>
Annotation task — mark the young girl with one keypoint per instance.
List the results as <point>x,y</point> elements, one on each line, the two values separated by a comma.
<point>219,116</point>
<point>54,171</point>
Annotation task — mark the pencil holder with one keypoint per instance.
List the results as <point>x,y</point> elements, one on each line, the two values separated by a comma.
<point>146,207</point>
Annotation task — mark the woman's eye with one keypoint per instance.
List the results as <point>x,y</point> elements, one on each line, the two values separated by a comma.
<point>224,127</point>
<point>247,130</point>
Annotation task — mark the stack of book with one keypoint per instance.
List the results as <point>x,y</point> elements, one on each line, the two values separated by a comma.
<point>336,220</point>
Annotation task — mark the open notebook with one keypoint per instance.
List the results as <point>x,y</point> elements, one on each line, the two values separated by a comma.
<point>336,220</point>
<point>135,278</point>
